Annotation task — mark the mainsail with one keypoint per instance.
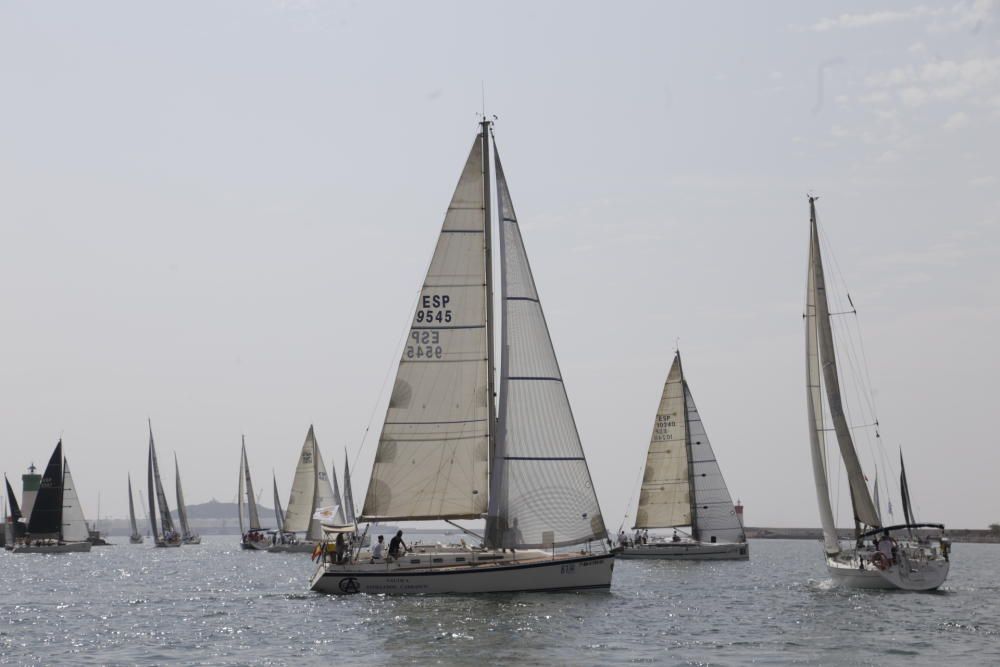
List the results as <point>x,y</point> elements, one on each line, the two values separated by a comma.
<point>904,489</point>
<point>240,503</point>
<point>864,508</point>
<point>131,512</point>
<point>432,455</point>
<point>279,514</point>
<point>156,486</point>
<point>302,498</point>
<point>252,515</point>
<point>349,514</point>
<point>14,508</point>
<point>541,493</point>
<point>46,515</point>
<point>74,525</point>
<point>182,515</point>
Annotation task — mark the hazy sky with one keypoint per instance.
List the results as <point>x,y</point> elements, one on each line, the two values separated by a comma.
<point>218,215</point>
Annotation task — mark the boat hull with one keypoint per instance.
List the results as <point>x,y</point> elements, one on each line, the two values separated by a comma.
<point>560,573</point>
<point>135,540</point>
<point>196,539</point>
<point>161,544</point>
<point>928,576</point>
<point>688,551</point>
<point>67,548</point>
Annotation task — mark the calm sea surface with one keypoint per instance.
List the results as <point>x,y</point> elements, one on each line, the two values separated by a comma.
<point>215,604</point>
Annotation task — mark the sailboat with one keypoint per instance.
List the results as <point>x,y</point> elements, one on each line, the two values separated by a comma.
<point>135,537</point>
<point>164,535</point>
<point>311,492</point>
<point>448,452</point>
<point>683,487</point>
<point>253,537</point>
<point>14,525</point>
<point>56,524</point>
<point>878,556</point>
<point>187,535</point>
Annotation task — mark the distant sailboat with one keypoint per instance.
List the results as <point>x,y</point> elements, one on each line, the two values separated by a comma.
<point>279,514</point>
<point>253,536</point>
<point>187,535</point>
<point>164,535</point>
<point>683,487</point>
<point>15,527</point>
<point>878,556</point>
<point>135,537</point>
<point>56,524</point>
<point>311,492</point>
<point>448,452</point>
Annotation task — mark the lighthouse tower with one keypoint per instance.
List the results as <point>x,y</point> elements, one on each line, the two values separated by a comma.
<point>30,482</point>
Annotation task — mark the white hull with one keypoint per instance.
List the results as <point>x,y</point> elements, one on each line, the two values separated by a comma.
<point>67,548</point>
<point>538,571</point>
<point>688,551</point>
<point>924,576</point>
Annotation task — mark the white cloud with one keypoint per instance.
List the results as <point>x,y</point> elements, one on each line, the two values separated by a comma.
<point>956,121</point>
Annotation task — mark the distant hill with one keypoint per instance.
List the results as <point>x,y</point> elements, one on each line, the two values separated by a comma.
<point>213,509</point>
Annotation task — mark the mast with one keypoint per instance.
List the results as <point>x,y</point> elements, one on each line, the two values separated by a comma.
<point>488,249</point>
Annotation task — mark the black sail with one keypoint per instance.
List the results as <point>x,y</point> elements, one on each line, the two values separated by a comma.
<point>15,509</point>
<point>46,515</point>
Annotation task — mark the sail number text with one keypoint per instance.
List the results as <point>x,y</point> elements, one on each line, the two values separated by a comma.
<point>663,425</point>
<point>423,344</point>
<point>434,308</point>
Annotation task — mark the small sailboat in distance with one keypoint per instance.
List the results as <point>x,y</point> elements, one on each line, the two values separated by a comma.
<point>683,487</point>
<point>164,535</point>
<point>448,452</point>
<point>253,537</point>
<point>878,556</point>
<point>135,537</point>
<point>187,535</point>
<point>311,491</point>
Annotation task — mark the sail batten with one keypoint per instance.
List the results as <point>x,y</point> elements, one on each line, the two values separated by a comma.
<point>431,460</point>
<point>541,493</point>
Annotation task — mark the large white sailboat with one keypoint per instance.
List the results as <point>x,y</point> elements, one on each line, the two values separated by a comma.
<point>135,537</point>
<point>683,487</point>
<point>188,536</point>
<point>164,534</point>
<point>311,492</point>
<point>56,523</point>
<point>879,556</point>
<point>447,451</point>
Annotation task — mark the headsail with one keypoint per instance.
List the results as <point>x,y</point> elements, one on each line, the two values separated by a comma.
<point>46,515</point>
<point>715,515</point>
<point>151,491</point>
<point>541,493</point>
<point>166,522</point>
<point>240,502</point>
<point>253,516</point>
<point>279,514</point>
<point>431,461</point>
<point>182,515</point>
<point>665,496</point>
<point>74,525</point>
<point>301,499</point>
<point>131,512</point>
<point>904,489</point>
<point>13,508</point>
<point>864,509</point>
<point>349,514</point>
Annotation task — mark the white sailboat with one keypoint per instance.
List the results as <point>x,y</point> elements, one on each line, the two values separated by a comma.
<point>56,523</point>
<point>311,492</point>
<point>164,535</point>
<point>252,536</point>
<point>188,536</point>
<point>683,487</point>
<point>135,537</point>
<point>878,556</point>
<point>448,452</point>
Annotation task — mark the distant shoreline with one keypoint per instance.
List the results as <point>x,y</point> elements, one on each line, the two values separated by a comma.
<point>955,534</point>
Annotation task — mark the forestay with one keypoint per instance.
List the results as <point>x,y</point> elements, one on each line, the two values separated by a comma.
<point>74,525</point>
<point>715,515</point>
<point>541,492</point>
<point>431,461</point>
<point>665,495</point>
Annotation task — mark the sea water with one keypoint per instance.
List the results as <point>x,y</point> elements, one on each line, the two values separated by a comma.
<point>216,604</point>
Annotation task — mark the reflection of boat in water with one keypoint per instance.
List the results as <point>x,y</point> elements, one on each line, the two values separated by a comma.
<point>252,536</point>
<point>135,537</point>
<point>880,556</point>
<point>448,452</point>
<point>311,491</point>
<point>164,535</point>
<point>682,486</point>
<point>56,523</point>
<point>187,535</point>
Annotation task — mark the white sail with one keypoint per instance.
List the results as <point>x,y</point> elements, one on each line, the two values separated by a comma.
<point>817,427</point>
<point>301,499</point>
<point>349,514</point>
<point>131,511</point>
<point>279,515</point>
<point>181,506</point>
<point>432,455</point>
<point>337,498</point>
<point>541,493</point>
<point>252,515</point>
<point>714,513</point>
<point>324,498</point>
<point>166,522</point>
<point>240,502</point>
<point>864,509</point>
<point>74,525</point>
<point>665,496</point>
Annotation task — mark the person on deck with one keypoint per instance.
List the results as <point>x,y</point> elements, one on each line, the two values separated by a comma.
<point>676,537</point>
<point>379,551</point>
<point>645,535</point>
<point>394,545</point>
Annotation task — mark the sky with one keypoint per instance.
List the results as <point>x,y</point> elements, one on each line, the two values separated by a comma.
<point>217,215</point>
